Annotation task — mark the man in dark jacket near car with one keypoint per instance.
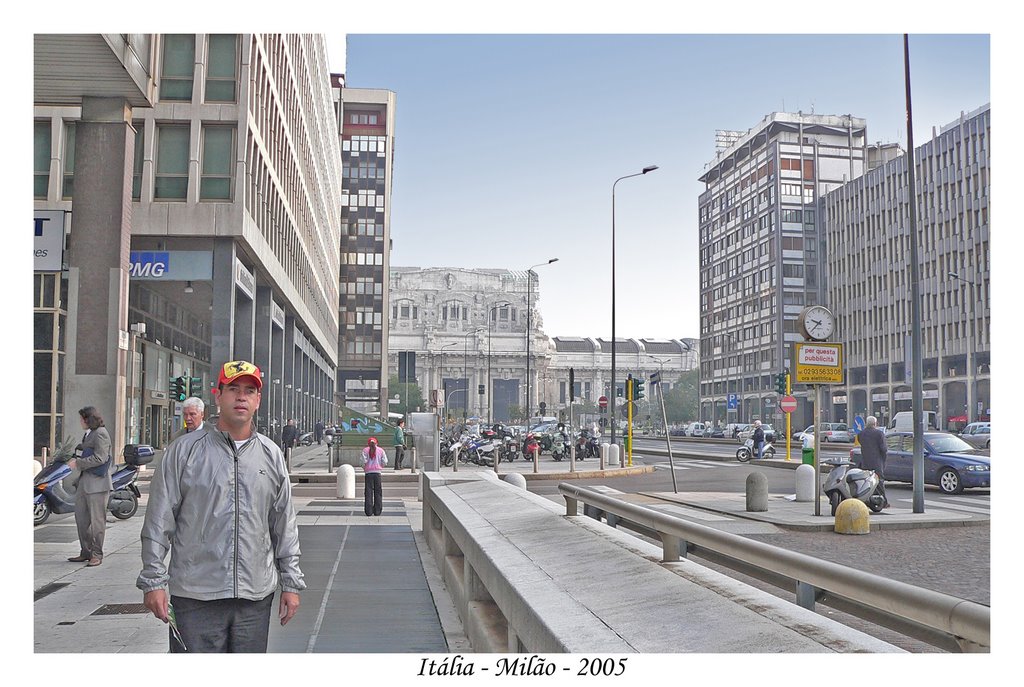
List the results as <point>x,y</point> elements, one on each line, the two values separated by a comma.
<point>873,452</point>
<point>289,434</point>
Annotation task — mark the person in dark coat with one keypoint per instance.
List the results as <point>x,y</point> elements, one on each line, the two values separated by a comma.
<point>318,431</point>
<point>873,452</point>
<point>289,434</point>
<point>758,439</point>
<point>93,454</point>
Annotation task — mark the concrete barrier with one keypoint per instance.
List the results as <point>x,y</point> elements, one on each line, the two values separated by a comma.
<point>757,492</point>
<point>613,455</point>
<point>805,483</point>
<point>515,479</point>
<point>346,482</point>
<point>852,517</point>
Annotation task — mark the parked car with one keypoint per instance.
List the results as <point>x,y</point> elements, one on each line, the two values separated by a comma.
<point>677,432</point>
<point>950,463</point>
<point>748,432</point>
<point>835,432</point>
<point>977,434</point>
<point>717,433</point>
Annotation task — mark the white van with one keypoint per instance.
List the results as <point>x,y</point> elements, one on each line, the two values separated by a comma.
<point>904,421</point>
<point>697,429</point>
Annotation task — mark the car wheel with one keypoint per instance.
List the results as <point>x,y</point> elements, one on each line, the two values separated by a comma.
<point>950,482</point>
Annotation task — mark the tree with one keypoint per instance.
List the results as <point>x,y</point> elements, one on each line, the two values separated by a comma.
<point>410,397</point>
<point>681,399</point>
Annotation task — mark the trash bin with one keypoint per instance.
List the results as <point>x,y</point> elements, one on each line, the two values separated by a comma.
<point>808,454</point>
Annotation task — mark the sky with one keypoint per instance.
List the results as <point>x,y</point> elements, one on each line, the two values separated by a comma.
<point>507,146</point>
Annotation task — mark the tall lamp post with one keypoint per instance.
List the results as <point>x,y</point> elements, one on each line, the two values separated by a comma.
<point>611,404</point>
<point>490,390</point>
<point>529,316</point>
<point>444,387</point>
<point>465,360</point>
<point>972,369</point>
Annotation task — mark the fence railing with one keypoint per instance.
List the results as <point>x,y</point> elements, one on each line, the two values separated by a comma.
<point>932,616</point>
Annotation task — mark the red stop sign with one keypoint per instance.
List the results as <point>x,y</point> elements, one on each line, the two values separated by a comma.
<point>603,401</point>
<point>788,404</point>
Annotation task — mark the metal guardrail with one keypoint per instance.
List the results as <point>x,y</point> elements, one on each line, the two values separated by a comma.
<point>966,622</point>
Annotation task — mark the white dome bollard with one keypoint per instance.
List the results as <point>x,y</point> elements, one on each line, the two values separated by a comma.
<point>613,455</point>
<point>516,480</point>
<point>346,482</point>
<point>36,467</point>
<point>805,483</point>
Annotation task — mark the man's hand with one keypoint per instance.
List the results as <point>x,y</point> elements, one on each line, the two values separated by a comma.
<point>156,601</point>
<point>289,604</point>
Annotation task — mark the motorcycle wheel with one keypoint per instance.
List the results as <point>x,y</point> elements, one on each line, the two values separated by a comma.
<point>834,499</point>
<point>40,512</point>
<point>743,455</point>
<point>126,512</point>
<point>875,503</point>
<point>557,457</point>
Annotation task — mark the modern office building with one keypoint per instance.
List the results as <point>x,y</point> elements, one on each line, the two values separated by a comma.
<point>868,232</point>
<point>219,229</point>
<point>367,124</point>
<point>761,250</point>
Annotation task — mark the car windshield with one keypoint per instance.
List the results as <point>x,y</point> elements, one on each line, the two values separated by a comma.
<point>947,443</point>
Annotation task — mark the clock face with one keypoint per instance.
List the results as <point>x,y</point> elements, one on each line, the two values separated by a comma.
<point>818,322</point>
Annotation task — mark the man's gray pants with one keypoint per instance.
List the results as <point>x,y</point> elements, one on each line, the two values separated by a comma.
<point>221,626</point>
<point>91,518</point>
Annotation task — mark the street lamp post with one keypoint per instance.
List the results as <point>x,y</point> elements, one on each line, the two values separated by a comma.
<point>444,387</point>
<point>529,319</point>
<point>611,404</point>
<point>465,372</point>
<point>972,368</point>
<point>490,390</point>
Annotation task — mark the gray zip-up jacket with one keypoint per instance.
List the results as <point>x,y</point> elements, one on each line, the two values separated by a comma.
<point>226,517</point>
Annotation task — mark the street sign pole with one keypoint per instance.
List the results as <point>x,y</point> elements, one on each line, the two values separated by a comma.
<point>789,420</point>
<point>668,439</point>
<point>817,451</point>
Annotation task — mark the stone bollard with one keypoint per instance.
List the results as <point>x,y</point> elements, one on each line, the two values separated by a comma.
<point>805,483</point>
<point>613,455</point>
<point>536,460</point>
<point>604,455</point>
<point>36,467</point>
<point>757,492</point>
<point>852,517</point>
<point>516,480</point>
<point>346,482</point>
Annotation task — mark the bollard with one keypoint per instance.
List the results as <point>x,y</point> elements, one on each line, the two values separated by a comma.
<point>288,459</point>
<point>346,482</point>
<point>572,458</point>
<point>757,492</point>
<point>613,455</point>
<point>852,517</point>
<point>536,460</point>
<point>413,469</point>
<point>604,454</point>
<point>516,480</point>
<point>455,457</point>
<point>45,453</point>
<point>36,467</point>
<point>805,483</point>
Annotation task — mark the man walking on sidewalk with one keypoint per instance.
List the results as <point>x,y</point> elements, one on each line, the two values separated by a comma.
<point>220,503</point>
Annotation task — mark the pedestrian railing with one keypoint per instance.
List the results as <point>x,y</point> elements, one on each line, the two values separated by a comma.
<point>934,617</point>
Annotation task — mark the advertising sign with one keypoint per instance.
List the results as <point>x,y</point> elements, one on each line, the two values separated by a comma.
<point>48,247</point>
<point>170,265</point>
<point>819,363</point>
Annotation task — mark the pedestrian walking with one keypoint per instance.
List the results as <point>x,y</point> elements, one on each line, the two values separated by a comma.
<point>318,431</point>
<point>758,438</point>
<point>220,504</point>
<point>289,435</point>
<point>873,452</point>
<point>92,458</point>
<point>399,443</point>
<point>193,411</point>
<point>374,460</point>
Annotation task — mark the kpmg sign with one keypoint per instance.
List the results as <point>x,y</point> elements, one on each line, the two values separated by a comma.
<point>171,265</point>
<point>48,247</point>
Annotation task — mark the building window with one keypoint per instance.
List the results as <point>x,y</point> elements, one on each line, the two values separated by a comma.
<point>171,163</point>
<point>140,130</point>
<point>179,64</point>
<point>221,68</point>
<point>68,191</point>
<point>41,158</point>
<point>218,157</point>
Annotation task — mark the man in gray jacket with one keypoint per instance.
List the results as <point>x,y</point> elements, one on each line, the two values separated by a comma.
<point>873,452</point>
<point>220,503</point>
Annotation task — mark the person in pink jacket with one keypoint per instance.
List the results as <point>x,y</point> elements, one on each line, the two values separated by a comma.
<point>374,460</point>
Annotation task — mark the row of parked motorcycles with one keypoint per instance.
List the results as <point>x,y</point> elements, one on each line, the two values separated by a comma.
<point>501,444</point>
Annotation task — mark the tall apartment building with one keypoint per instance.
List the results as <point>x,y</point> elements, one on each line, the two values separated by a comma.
<point>367,125</point>
<point>227,186</point>
<point>868,232</point>
<point>761,245</point>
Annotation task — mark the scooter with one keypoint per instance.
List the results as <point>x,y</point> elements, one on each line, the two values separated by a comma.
<point>52,496</point>
<point>559,446</point>
<point>529,446</point>
<point>306,439</point>
<point>846,481</point>
<point>746,451</point>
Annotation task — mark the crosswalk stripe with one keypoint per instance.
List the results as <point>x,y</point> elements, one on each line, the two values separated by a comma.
<point>947,505</point>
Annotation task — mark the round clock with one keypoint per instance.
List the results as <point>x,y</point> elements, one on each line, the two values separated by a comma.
<point>816,322</point>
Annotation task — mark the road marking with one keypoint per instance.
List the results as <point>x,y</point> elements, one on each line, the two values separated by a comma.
<point>327,595</point>
<point>945,505</point>
<point>691,513</point>
<point>605,490</point>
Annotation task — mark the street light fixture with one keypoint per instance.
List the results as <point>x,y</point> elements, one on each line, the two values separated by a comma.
<point>529,316</point>
<point>972,369</point>
<point>611,403</point>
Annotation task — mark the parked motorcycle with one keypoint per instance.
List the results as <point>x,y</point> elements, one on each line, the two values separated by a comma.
<point>529,446</point>
<point>306,439</point>
<point>587,446</point>
<point>846,481</point>
<point>509,449</point>
<point>559,446</point>
<point>51,495</point>
<point>746,451</point>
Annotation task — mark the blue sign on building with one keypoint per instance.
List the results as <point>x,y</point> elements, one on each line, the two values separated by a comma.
<point>173,265</point>
<point>732,401</point>
<point>149,265</point>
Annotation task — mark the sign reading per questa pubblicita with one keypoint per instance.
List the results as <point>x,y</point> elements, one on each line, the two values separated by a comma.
<point>819,363</point>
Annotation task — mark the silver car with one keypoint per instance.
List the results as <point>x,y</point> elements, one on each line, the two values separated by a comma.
<point>977,434</point>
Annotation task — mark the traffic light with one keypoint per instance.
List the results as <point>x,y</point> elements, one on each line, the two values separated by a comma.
<point>543,407</point>
<point>629,387</point>
<point>780,383</point>
<point>638,389</point>
<point>195,386</point>
<point>178,392</point>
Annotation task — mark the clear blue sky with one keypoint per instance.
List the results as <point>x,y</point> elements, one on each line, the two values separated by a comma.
<point>507,146</point>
